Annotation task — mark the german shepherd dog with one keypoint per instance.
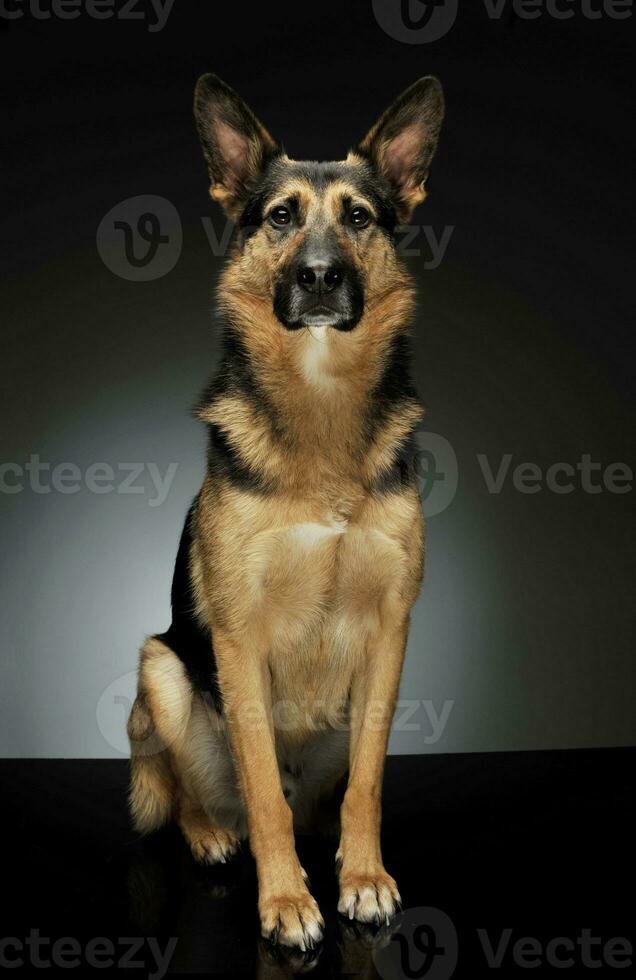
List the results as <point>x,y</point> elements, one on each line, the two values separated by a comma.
<point>302,554</point>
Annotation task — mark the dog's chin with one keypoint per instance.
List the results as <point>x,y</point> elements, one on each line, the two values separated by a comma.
<point>322,317</point>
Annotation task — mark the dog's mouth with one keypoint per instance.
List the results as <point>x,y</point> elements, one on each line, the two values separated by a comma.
<point>321,314</point>
<point>342,316</point>
<point>326,316</point>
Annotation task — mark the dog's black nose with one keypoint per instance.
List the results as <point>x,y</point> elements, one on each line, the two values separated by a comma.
<point>320,277</point>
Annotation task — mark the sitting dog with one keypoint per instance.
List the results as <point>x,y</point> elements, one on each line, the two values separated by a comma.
<point>302,554</point>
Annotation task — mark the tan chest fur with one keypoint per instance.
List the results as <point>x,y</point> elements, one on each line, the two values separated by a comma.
<point>307,585</point>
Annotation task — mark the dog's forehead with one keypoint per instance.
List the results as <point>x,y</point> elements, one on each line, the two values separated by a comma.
<point>351,176</point>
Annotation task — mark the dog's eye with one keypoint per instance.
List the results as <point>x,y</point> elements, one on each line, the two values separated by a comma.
<point>280,216</point>
<point>359,217</point>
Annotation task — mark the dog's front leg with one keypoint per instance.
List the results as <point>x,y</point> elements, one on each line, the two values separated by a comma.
<point>288,913</point>
<point>367,892</point>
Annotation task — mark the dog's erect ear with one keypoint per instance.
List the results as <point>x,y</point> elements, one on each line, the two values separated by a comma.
<point>235,144</point>
<point>402,143</point>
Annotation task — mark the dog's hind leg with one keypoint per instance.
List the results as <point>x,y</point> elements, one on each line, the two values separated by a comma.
<point>158,718</point>
<point>181,762</point>
<point>152,783</point>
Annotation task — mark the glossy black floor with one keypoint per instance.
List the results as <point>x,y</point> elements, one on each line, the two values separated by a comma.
<point>537,843</point>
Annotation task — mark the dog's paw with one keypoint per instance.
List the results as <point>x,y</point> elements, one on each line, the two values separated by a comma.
<point>214,846</point>
<point>293,921</point>
<point>371,898</point>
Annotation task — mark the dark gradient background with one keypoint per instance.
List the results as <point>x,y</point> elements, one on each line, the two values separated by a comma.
<point>523,345</point>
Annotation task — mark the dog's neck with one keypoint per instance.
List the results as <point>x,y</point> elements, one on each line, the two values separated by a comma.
<point>328,401</point>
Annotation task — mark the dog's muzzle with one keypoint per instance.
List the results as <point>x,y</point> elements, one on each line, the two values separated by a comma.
<point>319,291</point>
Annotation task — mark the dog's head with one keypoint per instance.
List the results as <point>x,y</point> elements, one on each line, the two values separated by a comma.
<point>316,240</point>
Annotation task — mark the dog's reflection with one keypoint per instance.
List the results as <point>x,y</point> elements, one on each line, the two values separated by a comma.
<point>351,955</point>
<point>212,912</point>
<point>162,874</point>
